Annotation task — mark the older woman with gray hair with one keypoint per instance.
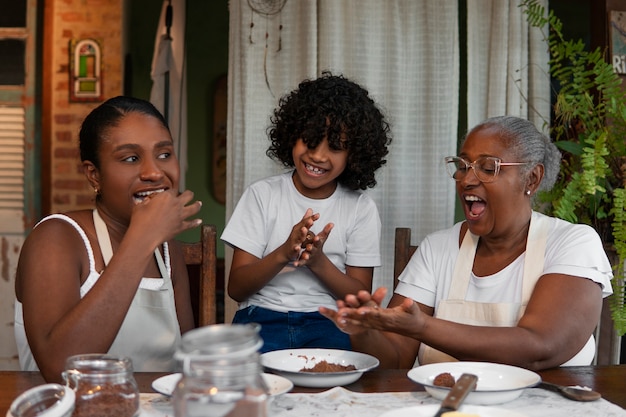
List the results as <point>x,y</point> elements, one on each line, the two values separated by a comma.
<point>507,285</point>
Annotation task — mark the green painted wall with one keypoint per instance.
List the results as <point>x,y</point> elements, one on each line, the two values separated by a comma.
<point>207,60</point>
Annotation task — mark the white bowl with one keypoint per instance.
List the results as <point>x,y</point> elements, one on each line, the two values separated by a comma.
<point>496,384</point>
<point>289,362</point>
<point>277,385</point>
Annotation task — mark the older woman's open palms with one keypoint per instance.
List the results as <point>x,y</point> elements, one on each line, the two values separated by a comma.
<point>363,311</point>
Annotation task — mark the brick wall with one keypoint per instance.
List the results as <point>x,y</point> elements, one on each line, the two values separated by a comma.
<point>77,19</point>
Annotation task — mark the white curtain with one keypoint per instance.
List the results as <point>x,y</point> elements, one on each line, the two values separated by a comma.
<point>405,52</point>
<point>169,81</point>
<point>507,64</point>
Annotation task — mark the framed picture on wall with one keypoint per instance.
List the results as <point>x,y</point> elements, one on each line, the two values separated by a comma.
<point>85,70</point>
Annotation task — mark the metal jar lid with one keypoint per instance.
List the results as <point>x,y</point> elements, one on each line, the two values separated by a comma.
<point>219,341</point>
<point>98,364</point>
<point>48,400</point>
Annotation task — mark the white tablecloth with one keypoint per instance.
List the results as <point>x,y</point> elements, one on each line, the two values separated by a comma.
<point>339,402</point>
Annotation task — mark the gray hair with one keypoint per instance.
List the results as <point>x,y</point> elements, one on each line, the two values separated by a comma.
<point>528,144</point>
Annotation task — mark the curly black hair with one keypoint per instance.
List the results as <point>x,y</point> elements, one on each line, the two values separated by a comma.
<point>340,110</point>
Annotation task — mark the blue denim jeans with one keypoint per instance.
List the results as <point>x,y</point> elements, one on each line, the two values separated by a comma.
<point>294,329</point>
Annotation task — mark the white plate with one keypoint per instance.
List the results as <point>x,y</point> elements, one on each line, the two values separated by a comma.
<point>430,410</point>
<point>289,362</point>
<point>165,385</point>
<point>496,384</point>
<point>277,385</point>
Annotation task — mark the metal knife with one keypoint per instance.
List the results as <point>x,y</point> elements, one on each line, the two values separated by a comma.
<point>463,386</point>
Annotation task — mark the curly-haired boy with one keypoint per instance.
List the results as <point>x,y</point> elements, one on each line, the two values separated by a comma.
<point>307,237</point>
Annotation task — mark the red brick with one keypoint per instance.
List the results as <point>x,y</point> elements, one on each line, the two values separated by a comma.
<point>63,152</point>
<point>71,17</point>
<point>70,184</point>
<point>85,199</point>
<point>61,199</point>
<point>64,135</point>
<point>63,119</point>
<point>63,168</point>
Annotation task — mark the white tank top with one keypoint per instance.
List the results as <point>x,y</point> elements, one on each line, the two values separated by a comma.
<point>150,331</point>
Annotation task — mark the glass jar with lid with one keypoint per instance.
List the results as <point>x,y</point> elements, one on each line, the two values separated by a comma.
<point>104,385</point>
<point>222,374</point>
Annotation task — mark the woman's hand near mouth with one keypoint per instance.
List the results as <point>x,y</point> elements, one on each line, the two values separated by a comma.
<point>165,215</point>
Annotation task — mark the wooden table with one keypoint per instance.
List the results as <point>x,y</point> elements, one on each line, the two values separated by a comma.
<point>610,381</point>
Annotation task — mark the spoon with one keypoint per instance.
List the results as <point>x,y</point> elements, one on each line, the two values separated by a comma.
<point>573,393</point>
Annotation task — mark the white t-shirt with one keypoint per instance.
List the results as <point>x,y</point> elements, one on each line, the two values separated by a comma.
<point>571,249</point>
<point>264,218</point>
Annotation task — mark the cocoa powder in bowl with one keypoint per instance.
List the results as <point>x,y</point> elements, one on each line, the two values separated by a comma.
<point>324,366</point>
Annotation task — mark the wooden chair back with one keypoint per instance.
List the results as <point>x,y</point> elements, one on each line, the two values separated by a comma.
<point>403,250</point>
<point>201,260</point>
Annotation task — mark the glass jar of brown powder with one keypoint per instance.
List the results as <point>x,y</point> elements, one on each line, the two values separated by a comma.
<point>104,385</point>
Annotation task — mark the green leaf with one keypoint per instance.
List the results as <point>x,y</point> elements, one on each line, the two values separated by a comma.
<point>571,147</point>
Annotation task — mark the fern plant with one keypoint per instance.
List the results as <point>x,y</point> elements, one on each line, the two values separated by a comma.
<point>589,127</point>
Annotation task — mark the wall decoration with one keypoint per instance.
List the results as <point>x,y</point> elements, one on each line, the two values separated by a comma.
<point>617,31</point>
<point>268,9</point>
<point>85,70</point>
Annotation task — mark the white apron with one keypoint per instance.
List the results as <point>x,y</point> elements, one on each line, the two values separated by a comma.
<point>455,308</point>
<point>150,332</point>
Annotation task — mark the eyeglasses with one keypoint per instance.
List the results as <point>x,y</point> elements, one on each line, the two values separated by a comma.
<point>485,168</point>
